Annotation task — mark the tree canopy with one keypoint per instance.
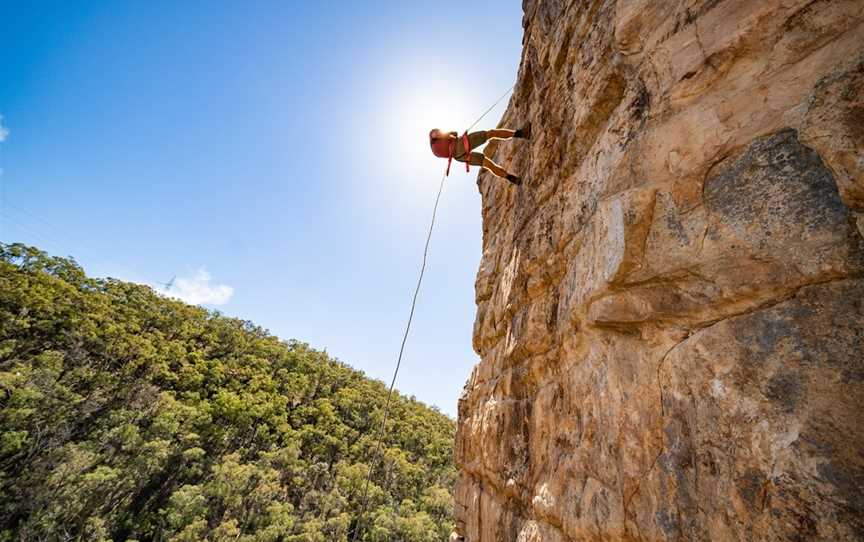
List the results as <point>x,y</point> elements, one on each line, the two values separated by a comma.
<point>125,415</point>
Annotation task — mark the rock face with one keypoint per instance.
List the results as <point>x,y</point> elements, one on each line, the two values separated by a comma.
<point>671,307</point>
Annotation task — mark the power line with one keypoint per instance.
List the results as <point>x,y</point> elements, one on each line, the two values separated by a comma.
<point>39,236</point>
<point>45,229</point>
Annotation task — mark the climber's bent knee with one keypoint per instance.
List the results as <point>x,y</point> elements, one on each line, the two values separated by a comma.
<point>489,164</point>
<point>475,159</point>
<point>494,168</point>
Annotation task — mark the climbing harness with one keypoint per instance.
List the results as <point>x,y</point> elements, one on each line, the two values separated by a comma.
<point>467,146</point>
<point>383,426</point>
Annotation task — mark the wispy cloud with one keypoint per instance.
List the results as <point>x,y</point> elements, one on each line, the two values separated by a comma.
<point>198,290</point>
<point>4,132</point>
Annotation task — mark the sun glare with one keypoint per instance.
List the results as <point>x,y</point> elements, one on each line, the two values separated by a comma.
<point>422,108</point>
<point>409,104</point>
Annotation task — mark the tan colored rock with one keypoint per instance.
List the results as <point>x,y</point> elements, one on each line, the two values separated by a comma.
<point>670,309</point>
<point>834,126</point>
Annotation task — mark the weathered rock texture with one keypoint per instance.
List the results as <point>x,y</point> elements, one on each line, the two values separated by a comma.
<point>671,308</point>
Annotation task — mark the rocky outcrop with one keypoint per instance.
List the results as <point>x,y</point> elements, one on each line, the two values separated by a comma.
<point>671,307</point>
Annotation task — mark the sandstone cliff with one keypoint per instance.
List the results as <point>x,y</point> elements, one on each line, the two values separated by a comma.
<point>671,307</point>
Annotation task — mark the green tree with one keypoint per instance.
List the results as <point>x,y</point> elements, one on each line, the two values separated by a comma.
<point>128,416</point>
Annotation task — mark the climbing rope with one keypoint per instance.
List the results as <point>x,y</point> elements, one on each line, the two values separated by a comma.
<point>491,107</point>
<point>398,363</point>
<point>382,427</point>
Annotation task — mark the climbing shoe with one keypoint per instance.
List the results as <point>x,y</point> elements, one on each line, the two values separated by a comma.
<point>524,132</point>
<point>514,179</point>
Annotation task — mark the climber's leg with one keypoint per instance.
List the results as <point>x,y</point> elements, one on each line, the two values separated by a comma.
<point>494,168</point>
<point>497,170</point>
<point>475,139</point>
<point>503,133</point>
<point>475,159</point>
<point>479,159</point>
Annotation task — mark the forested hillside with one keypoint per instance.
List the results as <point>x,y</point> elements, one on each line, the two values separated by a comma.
<point>128,416</point>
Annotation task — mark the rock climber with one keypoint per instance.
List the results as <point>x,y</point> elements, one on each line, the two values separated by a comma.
<point>449,145</point>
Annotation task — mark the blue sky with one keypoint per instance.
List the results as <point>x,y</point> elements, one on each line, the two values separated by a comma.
<point>271,155</point>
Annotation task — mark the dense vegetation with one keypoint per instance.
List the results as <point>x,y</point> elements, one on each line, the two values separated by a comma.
<point>128,416</point>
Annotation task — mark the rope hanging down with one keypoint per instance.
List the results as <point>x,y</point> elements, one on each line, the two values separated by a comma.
<point>398,364</point>
<point>382,428</point>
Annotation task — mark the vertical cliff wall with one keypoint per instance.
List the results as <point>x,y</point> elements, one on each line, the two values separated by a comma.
<point>671,307</point>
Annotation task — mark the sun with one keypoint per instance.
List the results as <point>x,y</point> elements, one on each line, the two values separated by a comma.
<point>405,106</point>
<point>423,107</point>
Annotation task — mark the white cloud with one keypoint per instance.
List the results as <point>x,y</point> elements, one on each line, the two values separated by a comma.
<point>4,132</point>
<point>197,290</point>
